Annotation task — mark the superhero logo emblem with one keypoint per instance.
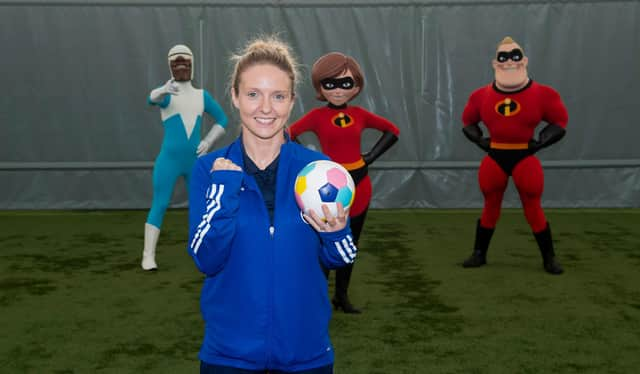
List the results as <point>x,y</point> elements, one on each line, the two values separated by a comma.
<point>507,107</point>
<point>342,120</point>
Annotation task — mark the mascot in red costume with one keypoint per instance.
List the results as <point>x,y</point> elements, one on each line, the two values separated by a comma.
<point>511,108</point>
<point>338,79</point>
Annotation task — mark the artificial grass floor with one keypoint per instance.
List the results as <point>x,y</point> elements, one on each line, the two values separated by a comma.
<point>73,298</point>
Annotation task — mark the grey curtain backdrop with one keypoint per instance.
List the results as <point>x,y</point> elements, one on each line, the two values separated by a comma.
<point>76,132</point>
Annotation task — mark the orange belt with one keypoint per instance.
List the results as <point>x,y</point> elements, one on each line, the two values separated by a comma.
<point>496,145</point>
<point>354,165</point>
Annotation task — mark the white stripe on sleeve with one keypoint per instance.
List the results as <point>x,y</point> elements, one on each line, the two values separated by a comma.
<point>345,258</point>
<point>353,246</point>
<point>349,249</point>
<point>213,206</point>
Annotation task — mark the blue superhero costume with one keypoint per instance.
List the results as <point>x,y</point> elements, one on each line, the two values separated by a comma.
<point>182,121</point>
<point>181,107</point>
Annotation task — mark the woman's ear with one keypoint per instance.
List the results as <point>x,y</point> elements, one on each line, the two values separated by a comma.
<point>234,98</point>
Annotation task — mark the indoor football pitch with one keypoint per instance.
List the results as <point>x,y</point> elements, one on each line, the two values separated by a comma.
<point>73,298</point>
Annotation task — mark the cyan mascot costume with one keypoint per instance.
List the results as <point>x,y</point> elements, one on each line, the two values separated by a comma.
<point>181,107</point>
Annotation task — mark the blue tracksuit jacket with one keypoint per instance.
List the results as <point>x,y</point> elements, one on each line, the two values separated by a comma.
<point>265,300</point>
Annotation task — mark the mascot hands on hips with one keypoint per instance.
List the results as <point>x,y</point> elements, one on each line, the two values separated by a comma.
<point>338,79</point>
<point>511,108</point>
<point>181,107</point>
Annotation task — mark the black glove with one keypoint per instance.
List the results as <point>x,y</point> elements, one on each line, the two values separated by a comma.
<point>358,174</point>
<point>474,133</point>
<point>548,136</point>
<point>385,142</point>
<point>534,146</point>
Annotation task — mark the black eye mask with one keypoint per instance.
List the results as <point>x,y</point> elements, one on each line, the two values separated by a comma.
<point>515,55</point>
<point>345,83</point>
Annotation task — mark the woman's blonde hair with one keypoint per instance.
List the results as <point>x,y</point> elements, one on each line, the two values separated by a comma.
<point>265,50</point>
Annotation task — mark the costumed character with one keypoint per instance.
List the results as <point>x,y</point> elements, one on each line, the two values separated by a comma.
<point>338,79</point>
<point>181,107</point>
<point>511,108</point>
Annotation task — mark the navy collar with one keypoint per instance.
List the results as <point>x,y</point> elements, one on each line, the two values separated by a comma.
<point>250,167</point>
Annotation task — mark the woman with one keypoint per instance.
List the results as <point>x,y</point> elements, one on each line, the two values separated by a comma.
<point>265,299</point>
<point>338,79</point>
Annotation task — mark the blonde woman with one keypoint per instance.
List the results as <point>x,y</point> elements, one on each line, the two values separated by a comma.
<point>265,300</point>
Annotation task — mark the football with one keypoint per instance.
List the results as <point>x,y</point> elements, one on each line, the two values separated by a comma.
<point>324,182</point>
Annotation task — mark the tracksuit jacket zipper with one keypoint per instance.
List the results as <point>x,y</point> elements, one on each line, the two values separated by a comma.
<point>271,280</point>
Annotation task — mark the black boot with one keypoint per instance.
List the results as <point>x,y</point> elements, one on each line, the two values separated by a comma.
<point>341,299</point>
<point>545,244</point>
<point>480,247</point>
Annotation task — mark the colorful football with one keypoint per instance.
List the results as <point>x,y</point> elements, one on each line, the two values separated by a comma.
<point>324,182</point>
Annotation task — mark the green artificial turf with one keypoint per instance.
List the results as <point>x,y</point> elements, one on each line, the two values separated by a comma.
<point>73,298</point>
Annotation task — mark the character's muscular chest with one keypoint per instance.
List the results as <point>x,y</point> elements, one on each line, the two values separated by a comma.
<point>508,110</point>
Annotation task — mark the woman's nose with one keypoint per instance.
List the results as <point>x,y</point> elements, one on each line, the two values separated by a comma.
<point>265,105</point>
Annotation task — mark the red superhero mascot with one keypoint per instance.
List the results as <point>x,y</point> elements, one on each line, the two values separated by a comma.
<point>338,79</point>
<point>511,108</point>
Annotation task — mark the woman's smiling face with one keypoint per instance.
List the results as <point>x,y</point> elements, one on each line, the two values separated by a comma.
<point>264,100</point>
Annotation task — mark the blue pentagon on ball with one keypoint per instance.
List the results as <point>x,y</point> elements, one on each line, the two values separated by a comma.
<point>328,193</point>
